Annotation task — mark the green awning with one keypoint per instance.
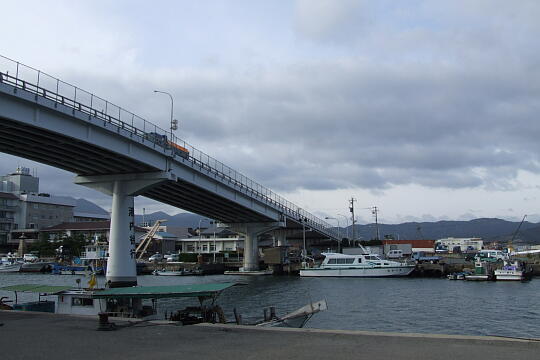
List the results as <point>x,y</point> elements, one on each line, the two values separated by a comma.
<point>35,288</point>
<point>156,292</point>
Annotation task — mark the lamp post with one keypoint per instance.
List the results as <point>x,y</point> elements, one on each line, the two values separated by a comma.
<point>303,221</point>
<point>347,222</point>
<point>174,123</point>
<point>199,244</point>
<point>339,232</point>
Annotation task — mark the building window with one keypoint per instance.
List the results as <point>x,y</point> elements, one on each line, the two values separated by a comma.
<point>212,248</point>
<point>205,248</point>
<point>82,302</point>
<point>190,248</point>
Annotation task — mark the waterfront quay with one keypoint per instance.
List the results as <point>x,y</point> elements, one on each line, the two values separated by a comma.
<point>45,336</point>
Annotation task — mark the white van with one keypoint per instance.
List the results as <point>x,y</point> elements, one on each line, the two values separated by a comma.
<point>394,254</point>
<point>493,255</point>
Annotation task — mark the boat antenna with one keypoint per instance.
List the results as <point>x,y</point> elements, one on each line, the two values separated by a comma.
<point>511,242</point>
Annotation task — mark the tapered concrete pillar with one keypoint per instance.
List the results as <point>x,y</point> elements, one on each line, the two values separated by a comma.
<point>251,232</point>
<point>251,251</point>
<point>121,265</point>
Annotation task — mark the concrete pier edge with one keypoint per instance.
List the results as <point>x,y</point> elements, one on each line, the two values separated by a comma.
<point>234,327</point>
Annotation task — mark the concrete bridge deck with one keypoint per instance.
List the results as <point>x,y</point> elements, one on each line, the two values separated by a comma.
<point>25,335</point>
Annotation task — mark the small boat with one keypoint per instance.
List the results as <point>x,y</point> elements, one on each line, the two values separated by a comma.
<point>75,270</point>
<point>482,272</point>
<point>458,275</point>
<point>295,319</point>
<point>169,272</point>
<point>512,272</point>
<point>366,265</point>
<point>10,267</point>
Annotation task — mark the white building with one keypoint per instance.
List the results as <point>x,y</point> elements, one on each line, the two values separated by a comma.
<point>465,244</point>
<point>211,240</point>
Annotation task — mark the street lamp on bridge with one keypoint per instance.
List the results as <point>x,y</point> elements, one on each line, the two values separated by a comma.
<point>174,123</point>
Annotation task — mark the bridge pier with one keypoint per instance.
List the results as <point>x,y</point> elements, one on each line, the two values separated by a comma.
<point>251,232</point>
<point>281,236</point>
<point>121,265</point>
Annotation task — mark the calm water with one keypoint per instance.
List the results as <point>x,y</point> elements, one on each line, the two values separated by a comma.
<point>400,305</point>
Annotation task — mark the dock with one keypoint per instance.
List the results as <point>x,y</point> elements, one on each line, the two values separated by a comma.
<point>27,335</point>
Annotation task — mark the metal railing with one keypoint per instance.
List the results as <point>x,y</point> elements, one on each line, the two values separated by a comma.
<point>41,84</point>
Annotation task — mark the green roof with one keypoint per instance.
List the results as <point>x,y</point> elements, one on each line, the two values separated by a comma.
<point>154,292</point>
<point>35,288</point>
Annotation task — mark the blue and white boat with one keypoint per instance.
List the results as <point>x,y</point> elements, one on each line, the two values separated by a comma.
<point>365,265</point>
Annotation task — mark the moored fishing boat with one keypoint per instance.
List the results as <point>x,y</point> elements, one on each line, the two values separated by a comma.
<point>365,265</point>
<point>513,271</point>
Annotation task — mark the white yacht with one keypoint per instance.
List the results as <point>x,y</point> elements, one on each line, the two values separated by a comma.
<point>367,265</point>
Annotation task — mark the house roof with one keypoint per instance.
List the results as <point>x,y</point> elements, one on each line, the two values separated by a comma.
<point>5,195</point>
<point>164,234</point>
<point>171,291</point>
<point>217,231</point>
<point>36,288</point>
<point>85,225</point>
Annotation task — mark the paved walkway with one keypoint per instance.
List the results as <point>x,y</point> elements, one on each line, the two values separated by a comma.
<point>35,336</point>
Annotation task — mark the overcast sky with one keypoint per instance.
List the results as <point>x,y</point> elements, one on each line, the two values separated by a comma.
<point>426,109</point>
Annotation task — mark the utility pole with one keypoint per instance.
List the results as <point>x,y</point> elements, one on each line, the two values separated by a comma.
<point>375,211</point>
<point>351,208</point>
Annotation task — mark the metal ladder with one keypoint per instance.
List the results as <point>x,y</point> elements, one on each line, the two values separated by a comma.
<point>147,239</point>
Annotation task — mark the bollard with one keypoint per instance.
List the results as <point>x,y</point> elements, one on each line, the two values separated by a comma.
<point>104,324</point>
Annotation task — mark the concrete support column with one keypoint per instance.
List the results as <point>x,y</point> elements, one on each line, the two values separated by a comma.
<point>121,265</point>
<point>281,236</point>
<point>251,232</point>
<point>251,251</point>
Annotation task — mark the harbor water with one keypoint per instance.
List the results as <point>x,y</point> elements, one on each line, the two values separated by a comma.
<point>420,305</point>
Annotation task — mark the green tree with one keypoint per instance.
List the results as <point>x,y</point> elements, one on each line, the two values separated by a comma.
<point>43,246</point>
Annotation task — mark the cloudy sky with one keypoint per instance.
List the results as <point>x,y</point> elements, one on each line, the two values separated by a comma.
<point>426,109</point>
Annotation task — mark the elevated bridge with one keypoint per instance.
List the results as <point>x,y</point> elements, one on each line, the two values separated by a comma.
<point>121,154</point>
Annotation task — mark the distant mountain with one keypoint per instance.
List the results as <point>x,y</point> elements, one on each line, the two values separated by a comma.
<point>485,228</point>
<point>85,206</point>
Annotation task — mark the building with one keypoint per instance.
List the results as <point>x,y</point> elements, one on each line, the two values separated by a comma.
<point>26,210</point>
<point>464,244</point>
<point>215,239</point>
<point>94,230</point>
<point>9,203</point>
<point>409,246</point>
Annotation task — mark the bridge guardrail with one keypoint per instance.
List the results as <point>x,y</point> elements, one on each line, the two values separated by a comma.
<point>42,84</point>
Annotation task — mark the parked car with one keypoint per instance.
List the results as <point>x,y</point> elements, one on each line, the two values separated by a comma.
<point>491,255</point>
<point>394,254</point>
<point>172,257</point>
<point>157,257</point>
<point>30,258</point>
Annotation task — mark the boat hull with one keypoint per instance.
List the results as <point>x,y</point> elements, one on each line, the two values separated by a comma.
<point>352,272</point>
<point>508,275</point>
<point>169,273</point>
<point>10,268</point>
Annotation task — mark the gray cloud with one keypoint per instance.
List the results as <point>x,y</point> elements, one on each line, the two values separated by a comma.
<point>444,96</point>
